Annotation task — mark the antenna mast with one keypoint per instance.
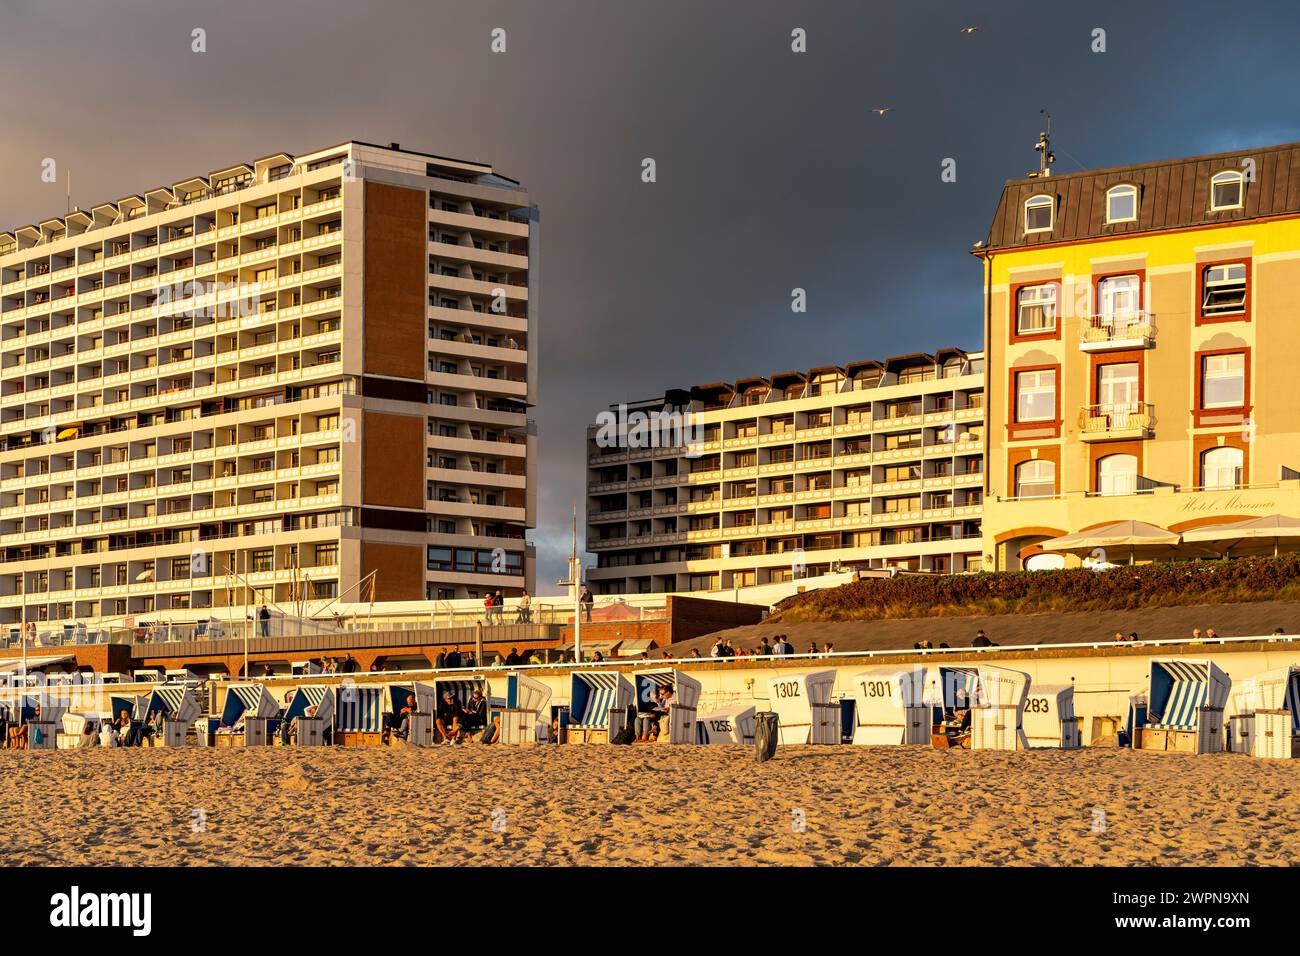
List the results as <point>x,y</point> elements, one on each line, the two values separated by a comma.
<point>1044,148</point>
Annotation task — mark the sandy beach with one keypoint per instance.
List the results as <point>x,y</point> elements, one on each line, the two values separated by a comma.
<point>621,805</point>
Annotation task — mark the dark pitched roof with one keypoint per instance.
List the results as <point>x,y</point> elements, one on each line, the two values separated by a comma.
<point>1172,194</point>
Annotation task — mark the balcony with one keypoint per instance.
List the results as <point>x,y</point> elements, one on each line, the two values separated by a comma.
<point>1121,420</point>
<point>1122,330</point>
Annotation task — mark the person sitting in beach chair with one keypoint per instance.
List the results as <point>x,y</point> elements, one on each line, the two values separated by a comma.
<point>18,734</point>
<point>128,730</point>
<point>400,723</point>
<point>650,713</point>
<point>475,713</point>
<point>288,731</point>
<point>449,718</point>
<point>108,736</point>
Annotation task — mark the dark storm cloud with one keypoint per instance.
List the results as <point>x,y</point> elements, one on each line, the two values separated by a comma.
<point>772,172</point>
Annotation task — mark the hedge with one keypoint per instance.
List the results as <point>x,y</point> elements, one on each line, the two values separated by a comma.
<point>1075,589</point>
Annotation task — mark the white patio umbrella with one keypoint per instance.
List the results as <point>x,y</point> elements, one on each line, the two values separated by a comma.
<point>1235,532</point>
<point>1117,534</point>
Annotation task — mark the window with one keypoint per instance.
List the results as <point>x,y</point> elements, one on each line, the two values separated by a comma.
<point>1036,396</point>
<point>1035,478</point>
<point>1117,387</point>
<point>1119,300</point>
<point>1036,309</point>
<point>1223,380</point>
<point>1227,190</point>
<point>1221,468</point>
<point>1038,213</point>
<point>1117,475</point>
<point>1223,289</point>
<point>1121,204</point>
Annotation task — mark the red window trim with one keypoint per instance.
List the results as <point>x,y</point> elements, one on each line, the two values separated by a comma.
<point>1244,314</point>
<point>1016,335</point>
<point>1014,427</point>
<point>1199,412</point>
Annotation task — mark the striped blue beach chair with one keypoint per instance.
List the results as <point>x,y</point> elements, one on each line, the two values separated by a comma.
<point>180,707</point>
<point>318,696</point>
<point>1185,697</point>
<point>598,704</point>
<point>680,727</point>
<point>359,714</point>
<point>256,706</point>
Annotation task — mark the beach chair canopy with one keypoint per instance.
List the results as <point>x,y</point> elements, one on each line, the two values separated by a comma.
<point>177,702</point>
<point>885,691</point>
<point>1001,687</point>
<point>426,697</point>
<point>248,700</point>
<point>1178,689</point>
<point>462,687</point>
<point>1277,689</point>
<point>686,689</point>
<point>360,707</point>
<point>593,694</point>
<point>319,696</point>
<point>525,693</point>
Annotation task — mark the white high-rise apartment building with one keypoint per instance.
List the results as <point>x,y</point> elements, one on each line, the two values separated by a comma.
<point>287,380</point>
<point>874,465</point>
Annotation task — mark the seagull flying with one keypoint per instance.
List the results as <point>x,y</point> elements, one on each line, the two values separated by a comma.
<point>882,110</point>
<point>971,29</point>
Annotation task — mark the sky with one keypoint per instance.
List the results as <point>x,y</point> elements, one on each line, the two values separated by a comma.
<point>771,171</point>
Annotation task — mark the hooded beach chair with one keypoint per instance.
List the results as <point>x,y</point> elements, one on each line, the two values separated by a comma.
<point>998,715</point>
<point>359,714</point>
<point>889,706</point>
<point>180,708</point>
<point>316,729</point>
<point>803,705</point>
<point>420,726</point>
<point>681,712</point>
<point>728,725</point>
<point>253,704</point>
<point>1049,719</point>
<point>521,717</point>
<point>1265,710</point>
<point>462,688</point>
<point>1185,704</point>
<point>598,705</point>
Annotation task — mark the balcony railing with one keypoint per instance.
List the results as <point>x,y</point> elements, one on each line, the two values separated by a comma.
<point>1118,330</point>
<point>1116,420</point>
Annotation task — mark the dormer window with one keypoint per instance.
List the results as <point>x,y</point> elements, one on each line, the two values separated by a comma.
<point>1121,204</point>
<point>1039,212</point>
<point>1227,190</point>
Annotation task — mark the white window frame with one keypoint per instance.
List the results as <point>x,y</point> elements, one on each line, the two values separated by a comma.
<point>1107,483</point>
<point>1040,297</point>
<point>1222,178</point>
<point>1112,288</point>
<point>1037,202</point>
<point>1024,388</point>
<point>1113,193</point>
<point>1216,476</point>
<point>1036,473</point>
<point>1209,281</point>
<point>1222,371</point>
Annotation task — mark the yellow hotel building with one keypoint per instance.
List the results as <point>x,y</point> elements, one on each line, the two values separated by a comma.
<point>1138,323</point>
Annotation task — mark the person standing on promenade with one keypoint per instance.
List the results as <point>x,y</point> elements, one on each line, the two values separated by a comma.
<point>264,620</point>
<point>586,600</point>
